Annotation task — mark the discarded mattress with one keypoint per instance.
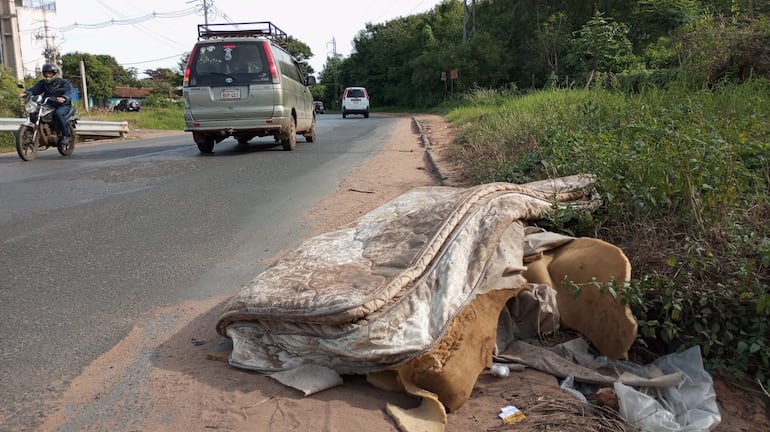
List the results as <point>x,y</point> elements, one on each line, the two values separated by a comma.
<point>415,286</point>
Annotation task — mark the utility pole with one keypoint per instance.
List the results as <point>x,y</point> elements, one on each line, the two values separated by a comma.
<point>85,86</point>
<point>49,52</point>
<point>334,70</point>
<point>205,10</point>
<point>469,19</point>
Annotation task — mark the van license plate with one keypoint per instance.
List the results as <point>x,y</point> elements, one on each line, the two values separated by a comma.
<point>231,93</point>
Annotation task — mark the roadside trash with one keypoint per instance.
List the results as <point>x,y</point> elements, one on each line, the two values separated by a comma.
<point>689,406</point>
<point>568,385</point>
<point>499,370</point>
<point>511,414</point>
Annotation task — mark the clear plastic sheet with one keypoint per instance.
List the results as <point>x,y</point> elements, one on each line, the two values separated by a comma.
<point>688,407</point>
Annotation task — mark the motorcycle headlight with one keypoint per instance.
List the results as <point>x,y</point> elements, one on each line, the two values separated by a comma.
<point>30,106</point>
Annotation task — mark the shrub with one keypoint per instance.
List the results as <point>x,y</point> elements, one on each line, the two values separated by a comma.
<point>685,181</point>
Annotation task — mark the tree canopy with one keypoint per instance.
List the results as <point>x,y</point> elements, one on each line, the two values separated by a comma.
<point>423,59</point>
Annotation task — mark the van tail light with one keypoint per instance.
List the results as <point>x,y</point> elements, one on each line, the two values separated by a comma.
<point>186,79</point>
<point>271,64</point>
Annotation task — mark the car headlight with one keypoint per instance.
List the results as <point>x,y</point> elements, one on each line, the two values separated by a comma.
<point>30,106</point>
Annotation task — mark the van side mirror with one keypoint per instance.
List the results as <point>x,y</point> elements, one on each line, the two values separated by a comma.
<point>311,80</point>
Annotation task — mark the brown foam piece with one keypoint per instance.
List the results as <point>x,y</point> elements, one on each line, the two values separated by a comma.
<point>450,369</point>
<point>430,416</point>
<point>604,320</point>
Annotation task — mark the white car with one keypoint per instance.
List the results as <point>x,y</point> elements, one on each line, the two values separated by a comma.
<point>355,100</point>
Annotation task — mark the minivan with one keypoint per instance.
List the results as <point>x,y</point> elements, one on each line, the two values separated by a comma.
<point>355,100</point>
<point>241,82</point>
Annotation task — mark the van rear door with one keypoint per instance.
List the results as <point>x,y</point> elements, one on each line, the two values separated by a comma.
<point>229,81</point>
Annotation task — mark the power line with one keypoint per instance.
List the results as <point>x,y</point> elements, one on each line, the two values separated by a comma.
<point>133,21</point>
<point>199,9</point>
<point>157,59</point>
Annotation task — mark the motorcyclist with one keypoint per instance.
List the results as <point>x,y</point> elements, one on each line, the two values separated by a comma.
<point>59,90</point>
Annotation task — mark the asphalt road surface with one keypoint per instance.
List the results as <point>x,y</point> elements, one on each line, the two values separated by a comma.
<point>91,243</point>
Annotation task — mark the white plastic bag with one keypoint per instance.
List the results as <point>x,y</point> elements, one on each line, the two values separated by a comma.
<point>689,407</point>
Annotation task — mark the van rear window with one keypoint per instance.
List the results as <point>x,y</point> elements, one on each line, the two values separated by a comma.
<point>229,63</point>
<point>355,93</point>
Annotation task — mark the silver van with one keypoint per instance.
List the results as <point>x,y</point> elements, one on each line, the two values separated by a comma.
<point>241,82</point>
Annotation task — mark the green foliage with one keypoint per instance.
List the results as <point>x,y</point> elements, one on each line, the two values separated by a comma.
<point>330,88</point>
<point>120,75</point>
<point>100,73</point>
<point>731,326</point>
<point>552,39</point>
<point>170,117</point>
<point>602,45</point>
<point>157,99</point>
<point>556,44</point>
<point>715,49</point>
<point>658,18</point>
<point>661,54</point>
<point>10,105</point>
<point>685,184</point>
<point>302,52</point>
<point>401,62</point>
<point>162,79</point>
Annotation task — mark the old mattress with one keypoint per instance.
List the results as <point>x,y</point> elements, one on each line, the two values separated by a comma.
<point>385,289</point>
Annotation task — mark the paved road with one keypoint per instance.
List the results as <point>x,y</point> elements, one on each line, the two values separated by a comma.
<point>91,243</point>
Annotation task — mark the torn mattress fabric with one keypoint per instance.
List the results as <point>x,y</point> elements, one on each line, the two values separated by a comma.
<point>384,289</point>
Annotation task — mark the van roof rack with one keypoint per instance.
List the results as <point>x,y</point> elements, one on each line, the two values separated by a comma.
<point>245,29</point>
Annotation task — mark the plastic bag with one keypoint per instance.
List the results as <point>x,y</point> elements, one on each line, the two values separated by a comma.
<point>689,407</point>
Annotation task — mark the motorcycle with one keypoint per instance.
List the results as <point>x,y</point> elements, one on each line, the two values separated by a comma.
<point>41,131</point>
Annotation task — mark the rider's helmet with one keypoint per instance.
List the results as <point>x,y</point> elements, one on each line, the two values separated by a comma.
<point>50,68</point>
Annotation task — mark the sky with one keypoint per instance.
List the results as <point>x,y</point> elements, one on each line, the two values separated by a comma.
<point>150,34</point>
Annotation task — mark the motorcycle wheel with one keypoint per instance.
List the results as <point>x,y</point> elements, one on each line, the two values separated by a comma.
<point>66,150</point>
<point>25,146</point>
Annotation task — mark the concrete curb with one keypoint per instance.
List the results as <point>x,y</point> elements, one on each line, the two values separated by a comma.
<point>428,155</point>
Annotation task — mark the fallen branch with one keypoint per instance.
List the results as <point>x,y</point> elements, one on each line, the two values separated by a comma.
<point>361,191</point>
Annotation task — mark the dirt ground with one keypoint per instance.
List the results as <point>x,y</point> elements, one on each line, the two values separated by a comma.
<point>161,377</point>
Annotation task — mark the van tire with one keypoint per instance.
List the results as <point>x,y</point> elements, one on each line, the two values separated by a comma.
<point>310,135</point>
<point>289,141</point>
<point>205,143</point>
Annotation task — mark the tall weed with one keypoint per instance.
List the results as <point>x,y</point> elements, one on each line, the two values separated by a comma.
<point>685,178</point>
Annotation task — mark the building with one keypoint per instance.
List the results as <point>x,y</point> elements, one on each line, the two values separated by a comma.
<point>10,43</point>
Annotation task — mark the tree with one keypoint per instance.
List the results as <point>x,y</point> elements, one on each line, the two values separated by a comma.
<point>163,83</point>
<point>658,18</point>
<point>329,80</point>
<point>120,75</point>
<point>99,77</point>
<point>164,75</point>
<point>401,61</point>
<point>302,52</point>
<point>182,64</point>
<point>551,41</point>
<point>601,45</point>
<point>10,105</point>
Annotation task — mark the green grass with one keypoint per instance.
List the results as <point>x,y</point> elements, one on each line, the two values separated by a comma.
<point>685,181</point>
<point>147,118</point>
